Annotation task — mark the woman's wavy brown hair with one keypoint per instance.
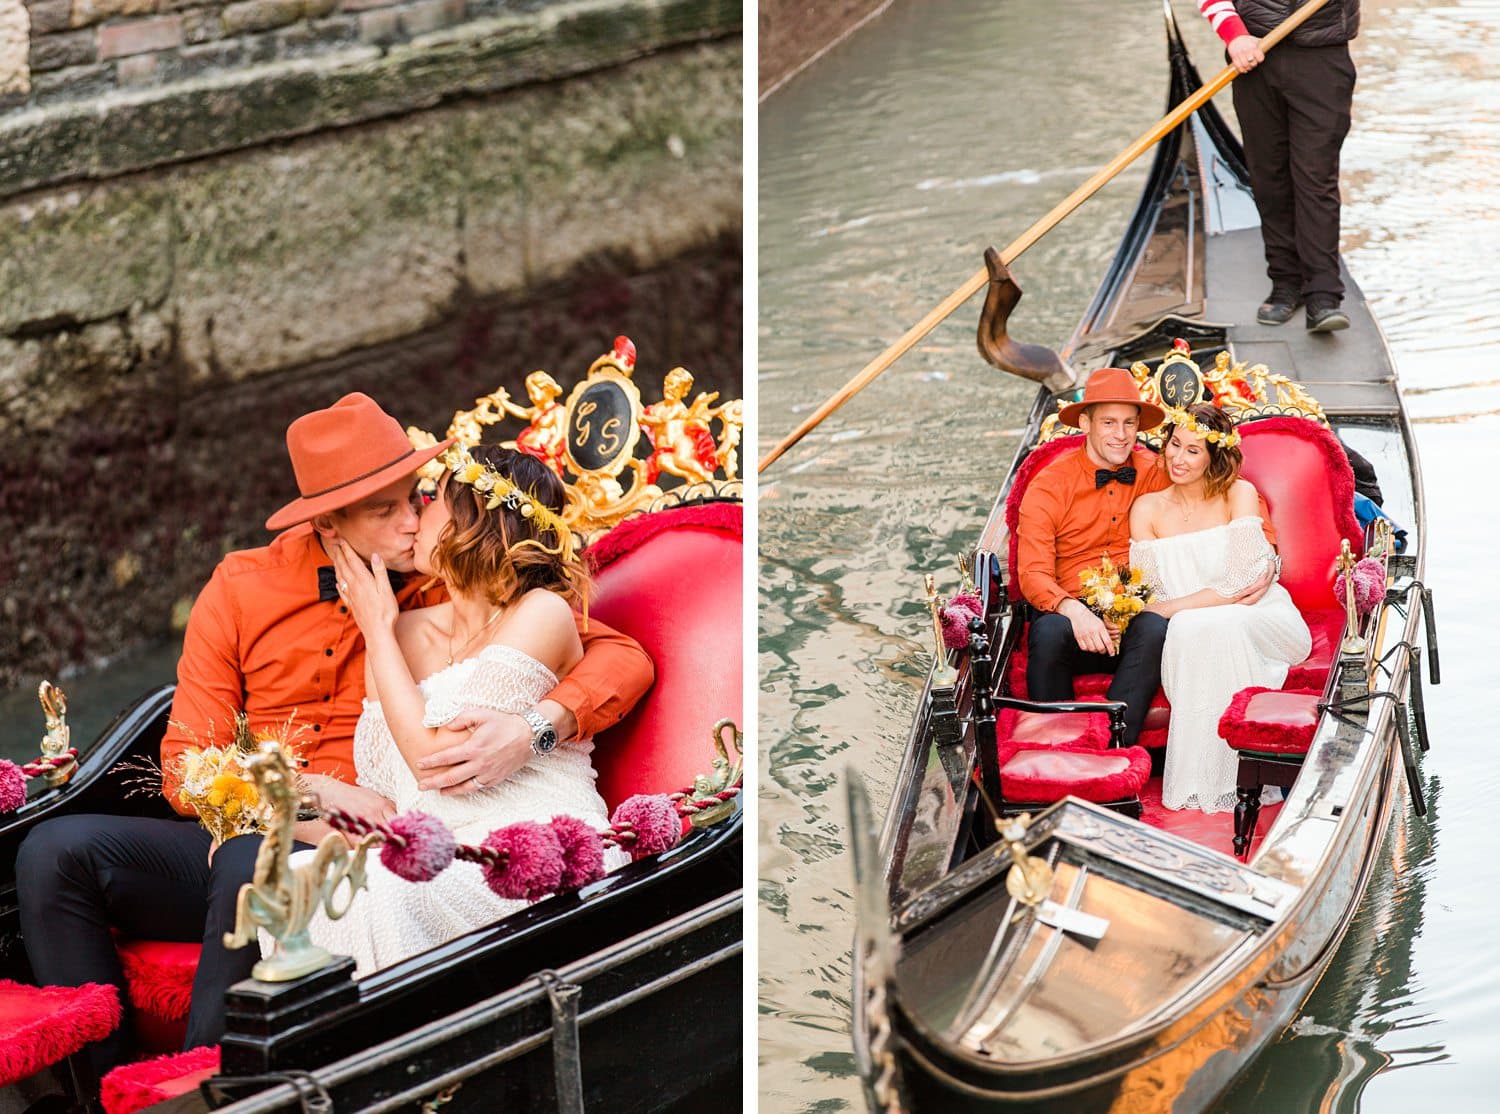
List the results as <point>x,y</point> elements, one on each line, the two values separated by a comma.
<point>483,550</point>
<point>1223,463</point>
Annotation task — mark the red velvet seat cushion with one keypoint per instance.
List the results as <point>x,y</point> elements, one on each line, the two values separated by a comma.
<point>1303,474</point>
<point>159,975</point>
<point>673,581</point>
<point>1044,774</point>
<point>1085,729</point>
<point>1095,686</point>
<point>133,1087</point>
<point>41,1025</point>
<point>1271,721</point>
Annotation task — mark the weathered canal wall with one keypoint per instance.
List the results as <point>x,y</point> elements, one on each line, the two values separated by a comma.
<point>216,216</point>
<point>793,32</point>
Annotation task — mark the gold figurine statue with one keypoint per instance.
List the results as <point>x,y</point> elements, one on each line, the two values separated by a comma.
<point>1352,643</point>
<point>943,674</point>
<point>56,742</point>
<point>282,899</point>
<point>546,433</point>
<point>590,437</point>
<point>682,435</point>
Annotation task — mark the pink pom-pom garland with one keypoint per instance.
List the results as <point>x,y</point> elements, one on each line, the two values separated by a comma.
<point>582,851</point>
<point>647,825</point>
<point>529,861</point>
<point>1369,585</point>
<point>12,786</point>
<point>955,615</point>
<point>424,849</point>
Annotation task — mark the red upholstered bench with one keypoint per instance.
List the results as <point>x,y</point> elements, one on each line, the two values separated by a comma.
<point>45,1025</point>
<point>1272,730</point>
<point>159,984</point>
<point>133,1087</point>
<point>1039,774</point>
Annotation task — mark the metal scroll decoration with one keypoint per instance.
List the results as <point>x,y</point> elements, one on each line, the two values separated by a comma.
<point>55,746</point>
<point>1242,392</point>
<point>592,440</point>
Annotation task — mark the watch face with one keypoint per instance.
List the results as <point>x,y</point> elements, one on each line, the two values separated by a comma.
<point>543,741</point>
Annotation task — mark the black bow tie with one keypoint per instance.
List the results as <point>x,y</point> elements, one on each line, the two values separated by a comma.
<point>328,589</point>
<point>1124,475</point>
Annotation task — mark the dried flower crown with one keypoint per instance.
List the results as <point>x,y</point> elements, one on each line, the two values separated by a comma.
<point>1181,419</point>
<point>464,469</point>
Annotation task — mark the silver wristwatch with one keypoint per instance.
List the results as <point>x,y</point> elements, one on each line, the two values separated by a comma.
<point>543,734</point>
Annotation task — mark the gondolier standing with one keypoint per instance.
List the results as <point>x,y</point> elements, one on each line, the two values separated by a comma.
<point>1294,105</point>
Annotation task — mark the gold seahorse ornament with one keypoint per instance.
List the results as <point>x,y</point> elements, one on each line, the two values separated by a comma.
<point>282,899</point>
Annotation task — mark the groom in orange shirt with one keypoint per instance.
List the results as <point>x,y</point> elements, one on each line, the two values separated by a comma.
<point>1074,510</point>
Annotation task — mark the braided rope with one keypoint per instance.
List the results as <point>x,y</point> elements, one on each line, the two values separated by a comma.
<point>44,765</point>
<point>622,834</point>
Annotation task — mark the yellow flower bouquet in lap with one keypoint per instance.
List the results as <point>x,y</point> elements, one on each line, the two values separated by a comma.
<point>1115,595</point>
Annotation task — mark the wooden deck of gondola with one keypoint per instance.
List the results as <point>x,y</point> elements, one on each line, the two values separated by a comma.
<point>1348,372</point>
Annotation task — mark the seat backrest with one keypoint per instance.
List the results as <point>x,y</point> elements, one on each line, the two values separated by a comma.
<point>1303,474</point>
<point>672,580</point>
<point>1301,471</point>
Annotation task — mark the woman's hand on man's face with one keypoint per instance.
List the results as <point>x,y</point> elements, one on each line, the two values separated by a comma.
<point>366,591</point>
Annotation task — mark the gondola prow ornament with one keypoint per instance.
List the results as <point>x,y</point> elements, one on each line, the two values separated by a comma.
<point>282,899</point>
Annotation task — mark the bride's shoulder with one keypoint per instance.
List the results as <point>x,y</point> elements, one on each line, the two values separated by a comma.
<point>1143,514</point>
<point>1243,498</point>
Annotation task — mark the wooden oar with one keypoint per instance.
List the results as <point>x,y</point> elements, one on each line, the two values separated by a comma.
<point>977,281</point>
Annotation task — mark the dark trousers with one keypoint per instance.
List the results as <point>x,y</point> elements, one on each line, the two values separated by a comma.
<point>78,876</point>
<point>1294,114</point>
<point>1054,659</point>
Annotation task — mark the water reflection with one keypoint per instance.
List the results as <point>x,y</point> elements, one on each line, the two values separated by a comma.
<point>951,124</point>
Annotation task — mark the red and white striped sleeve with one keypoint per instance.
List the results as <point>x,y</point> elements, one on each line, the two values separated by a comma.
<point>1222,17</point>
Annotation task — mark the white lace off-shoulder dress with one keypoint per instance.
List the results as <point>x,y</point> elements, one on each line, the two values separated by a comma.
<point>1213,652</point>
<point>395,918</point>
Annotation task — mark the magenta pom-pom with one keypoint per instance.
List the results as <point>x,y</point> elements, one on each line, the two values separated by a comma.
<point>582,851</point>
<point>532,865</point>
<point>1369,585</point>
<point>654,820</point>
<point>12,786</point>
<point>428,851</point>
<point>955,615</point>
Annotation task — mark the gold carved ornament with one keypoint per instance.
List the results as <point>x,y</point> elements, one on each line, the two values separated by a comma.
<point>1242,392</point>
<point>590,440</point>
<point>281,898</point>
<point>58,754</point>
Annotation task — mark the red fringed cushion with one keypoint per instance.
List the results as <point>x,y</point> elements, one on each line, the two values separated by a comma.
<point>1095,686</point>
<point>1042,775</point>
<point>133,1087</point>
<point>680,594</point>
<point>1303,474</point>
<point>40,1025</point>
<point>1271,721</point>
<point>1085,729</point>
<point>159,975</point>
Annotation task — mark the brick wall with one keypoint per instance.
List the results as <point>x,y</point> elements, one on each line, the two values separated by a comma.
<point>82,48</point>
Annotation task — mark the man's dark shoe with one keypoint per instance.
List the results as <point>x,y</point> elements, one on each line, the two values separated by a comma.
<point>1278,308</point>
<point>1325,316</point>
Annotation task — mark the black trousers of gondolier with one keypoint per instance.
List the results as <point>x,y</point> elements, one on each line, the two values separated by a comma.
<point>1054,659</point>
<point>1294,114</point>
<point>79,877</point>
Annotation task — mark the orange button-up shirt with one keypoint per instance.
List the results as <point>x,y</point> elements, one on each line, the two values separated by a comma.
<point>259,640</point>
<point>1066,523</point>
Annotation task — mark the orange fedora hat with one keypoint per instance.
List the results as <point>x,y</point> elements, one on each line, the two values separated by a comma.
<point>344,453</point>
<point>1112,384</point>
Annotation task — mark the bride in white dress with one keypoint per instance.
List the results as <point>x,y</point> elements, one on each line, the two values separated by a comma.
<point>1201,545</point>
<point>502,641</point>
